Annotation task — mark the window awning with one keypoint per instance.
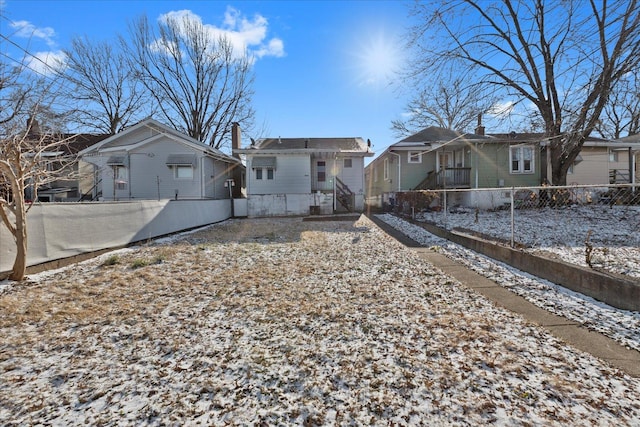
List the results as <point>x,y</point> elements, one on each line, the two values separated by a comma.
<point>263,162</point>
<point>117,161</point>
<point>181,160</point>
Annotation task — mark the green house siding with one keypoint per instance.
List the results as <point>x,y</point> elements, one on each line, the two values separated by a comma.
<point>374,178</point>
<point>414,173</point>
<point>493,168</point>
<point>489,164</point>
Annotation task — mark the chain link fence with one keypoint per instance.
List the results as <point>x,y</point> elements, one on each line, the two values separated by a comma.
<point>593,226</point>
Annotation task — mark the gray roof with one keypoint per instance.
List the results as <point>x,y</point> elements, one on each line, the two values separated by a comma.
<point>438,134</point>
<point>631,138</point>
<point>181,160</point>
<point>316,144</point>
<point>264,162</point>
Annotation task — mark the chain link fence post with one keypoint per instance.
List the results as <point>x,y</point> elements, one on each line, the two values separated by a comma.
<point>512,217</point>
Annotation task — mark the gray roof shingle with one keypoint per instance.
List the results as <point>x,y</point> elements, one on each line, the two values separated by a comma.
<point>317,144</point>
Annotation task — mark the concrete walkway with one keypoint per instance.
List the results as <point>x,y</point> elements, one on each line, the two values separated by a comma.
<point>569,331</point>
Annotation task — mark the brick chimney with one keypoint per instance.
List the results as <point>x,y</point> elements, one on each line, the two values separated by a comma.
<point>236,138</point>
<point>480,128</point>
<point>33,127</point>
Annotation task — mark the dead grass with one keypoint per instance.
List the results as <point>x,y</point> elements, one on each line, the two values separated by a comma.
<point>284,319</point>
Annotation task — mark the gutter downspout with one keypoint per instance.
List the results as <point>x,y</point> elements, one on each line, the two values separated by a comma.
<point>399,170</point>
<point>632,164</point>
<point>129,172</point>
<point>477,164</point>
<point>202,178</point>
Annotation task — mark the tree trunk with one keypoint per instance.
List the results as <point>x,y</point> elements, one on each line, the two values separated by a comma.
<point>20,264</point>
<point>558,177</point>
<point>558,171</point>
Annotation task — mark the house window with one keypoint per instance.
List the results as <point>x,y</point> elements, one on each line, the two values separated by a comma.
<point>415,157</point>
<point>258,173</point>
<point>183,172</point>
<point>613,156</point>
<point>386,169</point>
<point>269,173</point>
<point>322,171</point>
<point>521,159</point>
<point>120,177</point>
<point>458,158</point>
<point>348,163</point>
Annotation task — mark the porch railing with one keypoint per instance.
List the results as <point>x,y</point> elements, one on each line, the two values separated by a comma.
<point>446,178</point>
<point>621,176</point>
<point>344,195</point>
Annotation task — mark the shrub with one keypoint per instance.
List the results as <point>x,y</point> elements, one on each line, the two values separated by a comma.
<point>112,260</point>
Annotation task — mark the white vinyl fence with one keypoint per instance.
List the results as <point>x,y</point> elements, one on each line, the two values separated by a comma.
<point>61,230</point>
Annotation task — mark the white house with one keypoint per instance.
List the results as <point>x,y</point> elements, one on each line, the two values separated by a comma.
<point>301,176</point>
<point>153,161</point>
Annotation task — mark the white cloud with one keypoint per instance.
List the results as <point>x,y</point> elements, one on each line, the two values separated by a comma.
<point>501,109</point>
<point>247,36</point>
<point>27,30</point>
<point>46,63</point>
<point>275,47</point>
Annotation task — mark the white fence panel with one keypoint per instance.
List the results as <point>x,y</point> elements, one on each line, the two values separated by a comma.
<point>61,230</point>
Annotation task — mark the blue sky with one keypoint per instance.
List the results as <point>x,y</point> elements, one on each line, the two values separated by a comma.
<point>324,68</point>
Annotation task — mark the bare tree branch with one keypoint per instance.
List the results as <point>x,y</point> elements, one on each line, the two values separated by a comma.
<point>447,100</point>
<point>31,155</point>
<point>108,97</point>
<point>199,82</point>
<point>564,57</point>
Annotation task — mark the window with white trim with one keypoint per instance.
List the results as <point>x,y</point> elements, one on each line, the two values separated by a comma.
<point>414,157</point>
<point>269,173</point>
<point>348,163</point>
<point>613,156</point>
<point>386,169</point>
<point>522,159</point>
<point>183,172</point>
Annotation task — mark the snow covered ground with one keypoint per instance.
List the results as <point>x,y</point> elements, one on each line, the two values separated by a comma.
<point>285,322</point>
<point>620,325</point>
<point>614,232</point>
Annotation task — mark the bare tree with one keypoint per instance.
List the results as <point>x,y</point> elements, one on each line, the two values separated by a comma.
<point>29,154</point>
<point>621,116</point>
<point>201,84</point>
<point>563,57</point>
<point>446,100</point>
<point>108,96</point>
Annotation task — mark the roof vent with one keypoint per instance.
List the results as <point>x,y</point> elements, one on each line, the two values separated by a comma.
<point>512,135</point>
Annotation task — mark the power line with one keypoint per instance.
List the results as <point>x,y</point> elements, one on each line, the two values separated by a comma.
<point>30,54</point>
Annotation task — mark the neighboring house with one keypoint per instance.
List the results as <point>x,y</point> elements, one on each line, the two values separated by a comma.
<point>600,162</point>
<point>612,162</point>
<point>150,160</point>
<point>59,156</point>
<point>438,158</point>
<point>301,176</point>
<point>74,175</point>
